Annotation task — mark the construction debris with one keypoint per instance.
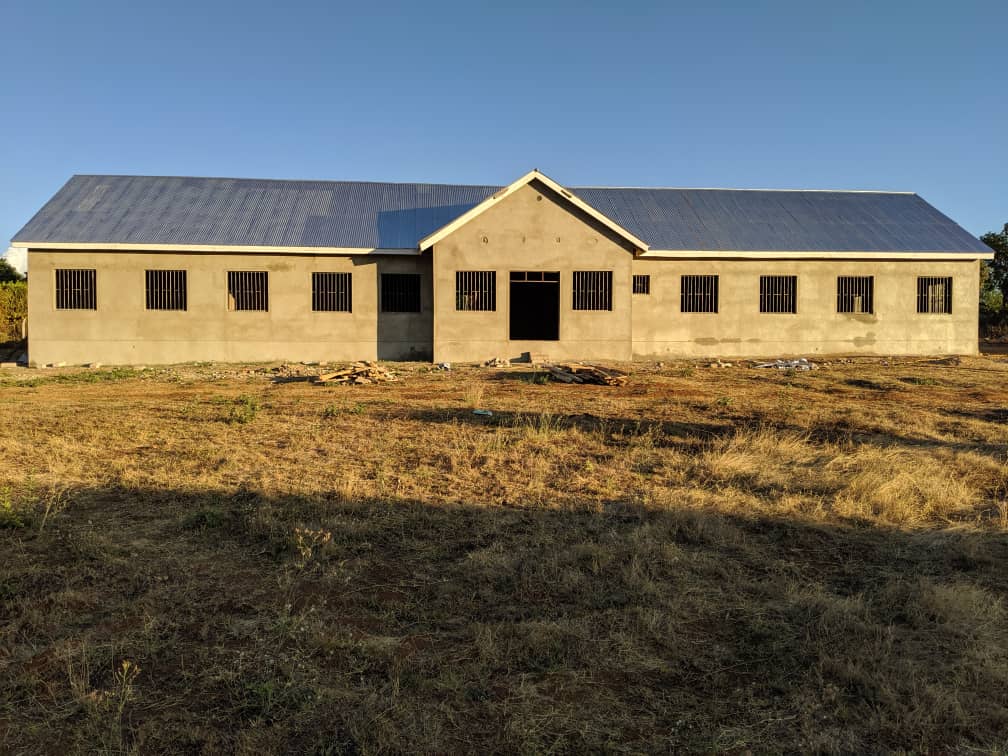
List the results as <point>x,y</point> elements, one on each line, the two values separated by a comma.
<point>357,374</point>
<point>720,364</point>
<point>483,413</point>
<point>580,373</point>
<point>497,362</point>
<point>799,364</point>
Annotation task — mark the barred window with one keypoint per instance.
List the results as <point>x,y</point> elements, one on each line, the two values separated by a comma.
<point>400,292</point>
<point>642,284</point>
<point>248,290</point>
<point>592,289</point>
<point>166,289</point>
<point>778,294</point>
<point>855,294</point>
<point>934,294</point>
<point>476,290</point>
<point>698,294</point>
<point>331,292</point>
<point>76,289</point>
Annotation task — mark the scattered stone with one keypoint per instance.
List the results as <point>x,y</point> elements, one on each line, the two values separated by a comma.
<point>497,362</point>
<point>93,365</point>
<point>799,364</point>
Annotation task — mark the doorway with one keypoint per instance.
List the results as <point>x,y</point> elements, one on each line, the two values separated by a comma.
<point>534,306</point>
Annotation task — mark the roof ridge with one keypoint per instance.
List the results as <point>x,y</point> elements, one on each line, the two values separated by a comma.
<point>281,180</point>
<point>484,186</point>
<point>748,189</point>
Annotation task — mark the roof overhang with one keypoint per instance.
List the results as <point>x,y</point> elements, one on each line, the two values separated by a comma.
<point>677,254</point>
<point>220,248</point>
<point>430,240</point>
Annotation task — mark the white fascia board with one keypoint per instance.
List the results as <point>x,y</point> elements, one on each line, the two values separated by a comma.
<point>431,239</point>
<point>677,254</point>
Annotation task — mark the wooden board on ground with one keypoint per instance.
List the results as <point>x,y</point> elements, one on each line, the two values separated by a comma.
<point>358,373</point>
<point>578,372</point>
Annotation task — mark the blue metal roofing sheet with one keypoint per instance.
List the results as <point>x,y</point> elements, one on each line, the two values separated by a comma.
<point>360,214</point>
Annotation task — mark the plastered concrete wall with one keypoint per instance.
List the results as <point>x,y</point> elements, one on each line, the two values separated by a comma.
<point>123,331</point>
<point>535,230</point>
<point>740,329</point>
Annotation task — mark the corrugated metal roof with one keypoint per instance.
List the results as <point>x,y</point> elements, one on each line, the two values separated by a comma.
<point>361,214</point>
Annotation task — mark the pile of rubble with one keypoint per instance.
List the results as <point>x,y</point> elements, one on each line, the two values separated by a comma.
<point>358,373</point>
<point>580,373</point>
<point>799,364</point>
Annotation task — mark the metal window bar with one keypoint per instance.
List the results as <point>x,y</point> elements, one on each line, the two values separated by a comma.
<point>934,294</point>
<point>592,290</point>
<point>248,290</point>
<point>476,290</point>
<point>778,294</point>
<point>76,289</point>
<point>166,289</point>
<point>642,284</point>
<point>698,293</point>
<point>400,292</point>
<point>856,294</point>
<point>332,292</point>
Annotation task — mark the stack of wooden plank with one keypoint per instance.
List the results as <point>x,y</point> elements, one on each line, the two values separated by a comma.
<point>358,373</point>
<point>581,373</point>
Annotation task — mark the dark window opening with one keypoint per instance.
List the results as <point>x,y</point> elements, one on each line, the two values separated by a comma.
<point>400,292</point>
<point>778,294</point>
<point>642,284</point>
<point>534,306</point>
<point>248,290</point>
<point>331,292</point>
<point>698,294</point>
<point>934,294</point>
<point>476,290</point>
<point>76,289</point>
<point>855,294</point>
<point>166,289</point>
<point>592,289</point>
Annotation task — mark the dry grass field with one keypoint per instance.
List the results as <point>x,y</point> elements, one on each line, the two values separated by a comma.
<point>205,560</point>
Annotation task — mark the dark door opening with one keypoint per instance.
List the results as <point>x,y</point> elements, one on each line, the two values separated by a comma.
<point>535,306</point>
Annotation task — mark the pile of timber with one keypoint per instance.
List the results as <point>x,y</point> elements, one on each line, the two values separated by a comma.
<point>358,373</point>
<point>580,373</point>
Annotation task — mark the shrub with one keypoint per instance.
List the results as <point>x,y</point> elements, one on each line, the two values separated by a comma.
<point>13,308</point>
<point>244,410</point>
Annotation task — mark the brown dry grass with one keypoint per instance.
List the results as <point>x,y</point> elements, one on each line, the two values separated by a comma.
<point>200,560</point>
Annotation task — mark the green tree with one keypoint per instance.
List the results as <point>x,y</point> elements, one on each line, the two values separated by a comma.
<point>7,272</point>
<point>998,267</point>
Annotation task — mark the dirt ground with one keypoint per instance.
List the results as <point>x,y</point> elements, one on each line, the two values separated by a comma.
<point>211,558</point>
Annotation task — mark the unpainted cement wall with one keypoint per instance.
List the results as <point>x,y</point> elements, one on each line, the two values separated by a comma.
<point>739,329</point>
<point>122,331</point>
<point>531,230</point>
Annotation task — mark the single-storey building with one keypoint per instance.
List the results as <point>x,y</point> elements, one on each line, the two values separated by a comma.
<point>145,269</point>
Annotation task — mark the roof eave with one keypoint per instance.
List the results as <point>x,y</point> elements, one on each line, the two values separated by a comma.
<point>814,255</point>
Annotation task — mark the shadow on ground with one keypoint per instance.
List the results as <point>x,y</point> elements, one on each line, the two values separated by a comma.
<point>330,623</point>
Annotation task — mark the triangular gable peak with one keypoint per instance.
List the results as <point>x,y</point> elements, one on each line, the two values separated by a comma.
<point>430,240</point>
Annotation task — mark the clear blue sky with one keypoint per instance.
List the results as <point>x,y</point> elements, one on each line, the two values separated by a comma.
<point>840,95</point>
